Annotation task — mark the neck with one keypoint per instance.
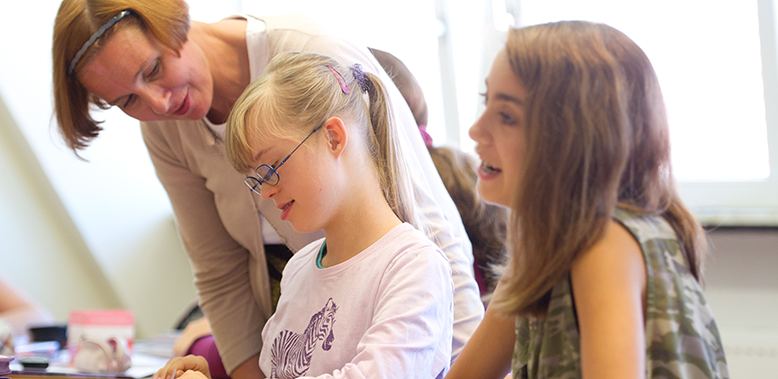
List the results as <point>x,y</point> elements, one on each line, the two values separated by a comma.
<point>364,218</point>
<point>224,46</point>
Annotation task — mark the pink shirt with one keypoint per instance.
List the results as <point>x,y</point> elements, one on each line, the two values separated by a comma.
<point>385,313</point>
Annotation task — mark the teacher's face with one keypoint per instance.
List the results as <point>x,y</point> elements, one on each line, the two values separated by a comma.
<point>147,80</point>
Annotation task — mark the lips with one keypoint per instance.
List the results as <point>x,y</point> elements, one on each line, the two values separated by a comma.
<point>184,106</point>
<point>487,171</point>
<point>285,209</point>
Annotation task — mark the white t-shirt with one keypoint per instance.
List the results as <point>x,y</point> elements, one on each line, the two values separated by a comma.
<point>385,313</point>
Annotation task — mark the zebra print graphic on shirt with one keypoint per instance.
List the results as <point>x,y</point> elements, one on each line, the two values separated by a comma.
<point>290,355</point>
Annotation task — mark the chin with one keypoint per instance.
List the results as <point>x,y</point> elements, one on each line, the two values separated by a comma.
<point>485,193</point>
<point>493,198</point>
<point>303,228</point>
<point>505,204</point>
<point>197,114</point>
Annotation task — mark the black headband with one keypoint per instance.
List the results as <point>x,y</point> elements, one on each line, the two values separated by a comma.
<point>99,33</point>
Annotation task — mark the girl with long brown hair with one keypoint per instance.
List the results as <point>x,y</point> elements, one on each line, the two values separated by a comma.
<point>605,271</point>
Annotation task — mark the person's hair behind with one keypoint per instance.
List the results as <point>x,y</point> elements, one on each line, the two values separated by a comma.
<point>406,82</point>
<point>296,92</point>
<point>596,138</point>
<point>76,21</point>
<point>484,223</point>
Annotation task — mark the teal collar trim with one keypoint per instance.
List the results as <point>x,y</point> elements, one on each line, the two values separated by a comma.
<point>322,253</point>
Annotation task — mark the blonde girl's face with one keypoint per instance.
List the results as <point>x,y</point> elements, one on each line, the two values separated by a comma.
<point>304,191</point>
<point>500,133</point>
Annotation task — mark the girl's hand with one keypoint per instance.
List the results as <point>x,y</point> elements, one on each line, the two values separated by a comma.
<point>188,367</point>
<point>489,351</point>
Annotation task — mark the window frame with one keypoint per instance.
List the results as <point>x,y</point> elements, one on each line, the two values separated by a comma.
<point>754,202</point>
<point>714,203</point>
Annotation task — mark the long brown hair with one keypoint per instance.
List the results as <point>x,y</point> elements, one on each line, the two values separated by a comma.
<point>597,138</point>
<point>76,21</point>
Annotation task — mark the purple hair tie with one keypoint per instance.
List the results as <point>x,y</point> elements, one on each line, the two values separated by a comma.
<point>362,79</point>
<point>425,136</point>
<point>341,80</point>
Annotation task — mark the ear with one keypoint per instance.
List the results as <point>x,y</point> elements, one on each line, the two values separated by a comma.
<point>336,135</point>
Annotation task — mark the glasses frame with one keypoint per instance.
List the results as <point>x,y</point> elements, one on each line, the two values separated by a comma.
<point>272,177</point>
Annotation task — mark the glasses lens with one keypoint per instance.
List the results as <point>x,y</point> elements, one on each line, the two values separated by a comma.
<point>254,184</point>
<point>267,174</point>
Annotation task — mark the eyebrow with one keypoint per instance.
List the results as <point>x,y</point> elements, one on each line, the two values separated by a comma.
<point>509,98</point>
<point>505,96</point>
<point>140,71</point>
<point>260,153</point>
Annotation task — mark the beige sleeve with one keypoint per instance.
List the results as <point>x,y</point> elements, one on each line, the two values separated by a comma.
<point>221,266</point>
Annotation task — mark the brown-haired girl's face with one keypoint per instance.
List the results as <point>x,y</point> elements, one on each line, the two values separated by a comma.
<point>147,80</point>
<point>499,133</point>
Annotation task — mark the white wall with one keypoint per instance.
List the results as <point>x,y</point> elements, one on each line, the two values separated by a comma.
<point>742,290</point>
<point>114,205</point>
<point>41,252</point>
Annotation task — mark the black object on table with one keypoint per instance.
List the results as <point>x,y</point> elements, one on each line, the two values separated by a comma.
<point>34,362</point>
<point>45,333</point>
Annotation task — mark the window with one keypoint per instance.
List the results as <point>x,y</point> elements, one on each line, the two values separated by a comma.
<point>408,29</point>
<point>717,66</point>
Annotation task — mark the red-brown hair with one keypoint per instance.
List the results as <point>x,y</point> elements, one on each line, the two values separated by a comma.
<point>76,21</point>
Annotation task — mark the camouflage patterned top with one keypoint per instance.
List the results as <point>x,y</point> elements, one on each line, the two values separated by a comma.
<point>682,340</point>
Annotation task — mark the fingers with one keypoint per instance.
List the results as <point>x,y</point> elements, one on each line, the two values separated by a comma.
<point>176,367</point>
<point>169,370</point>
<point>192,375</point>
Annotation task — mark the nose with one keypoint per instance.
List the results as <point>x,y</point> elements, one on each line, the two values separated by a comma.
<point>158,99</point>
<point>268,191</point>
<point>476,131</point>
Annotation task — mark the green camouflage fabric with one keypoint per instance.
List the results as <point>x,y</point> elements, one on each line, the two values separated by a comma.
<point>682,340</point>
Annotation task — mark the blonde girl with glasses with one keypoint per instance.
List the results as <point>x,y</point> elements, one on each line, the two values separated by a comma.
<point>374,297</point>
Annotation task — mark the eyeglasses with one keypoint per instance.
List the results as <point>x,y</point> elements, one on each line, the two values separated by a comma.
<point>268,174</point>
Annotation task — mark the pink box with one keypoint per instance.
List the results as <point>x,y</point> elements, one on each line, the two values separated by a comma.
<point>100,324</point>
